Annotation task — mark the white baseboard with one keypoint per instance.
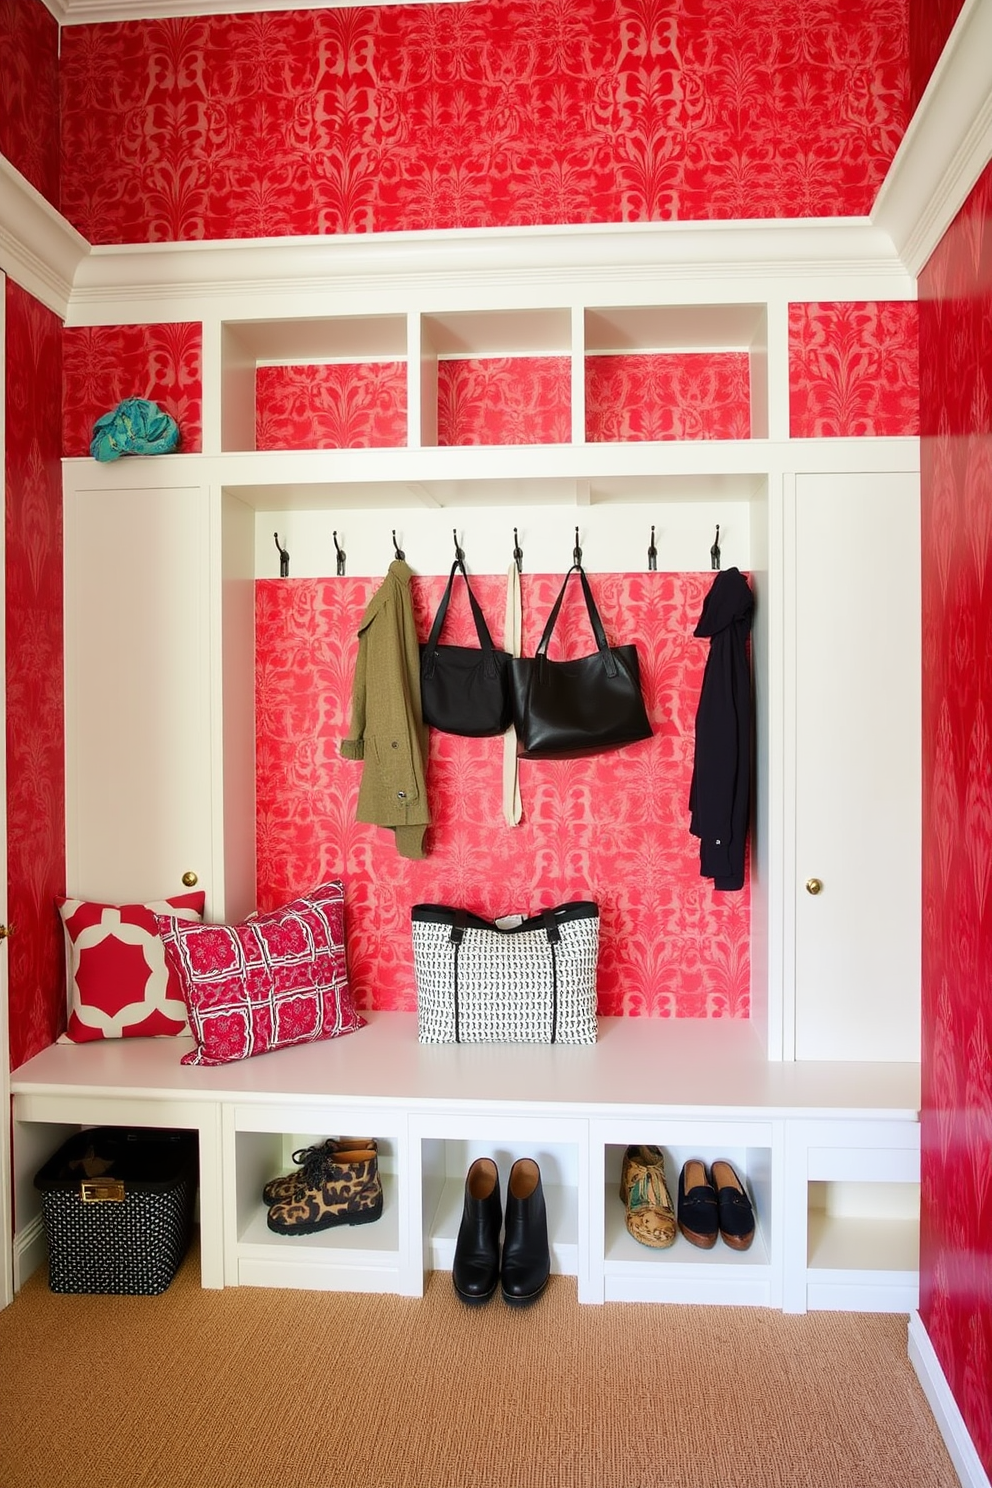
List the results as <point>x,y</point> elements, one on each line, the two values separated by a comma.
<point>30,1250</point>
<point>950,1422</point>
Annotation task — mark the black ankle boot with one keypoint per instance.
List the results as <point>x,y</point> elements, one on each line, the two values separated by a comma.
<point>475,1270</point>
<point>526,1255</point>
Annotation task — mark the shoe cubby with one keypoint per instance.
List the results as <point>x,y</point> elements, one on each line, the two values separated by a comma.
<point>558,1149</point>
<point>861,1208</point>
<point>314,383</point>
<point>259,1146</point>
<point>684,1272</point>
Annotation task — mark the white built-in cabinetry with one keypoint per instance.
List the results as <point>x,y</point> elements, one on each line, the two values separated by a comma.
<point>161,555</point>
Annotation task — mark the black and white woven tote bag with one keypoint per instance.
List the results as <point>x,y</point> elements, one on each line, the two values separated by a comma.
<point>512,981</point>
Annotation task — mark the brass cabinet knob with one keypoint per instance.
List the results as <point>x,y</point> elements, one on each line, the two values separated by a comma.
<point>6,931</point>
<point>813,885</point>
<point>190,879</point>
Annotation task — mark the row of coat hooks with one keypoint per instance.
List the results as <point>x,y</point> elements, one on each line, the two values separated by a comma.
<point>518,552</point>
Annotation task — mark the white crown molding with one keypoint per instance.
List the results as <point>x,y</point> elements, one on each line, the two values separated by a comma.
<point>947,145</point>
<point>85,12</point>
<point>38,248</point>
<point>829,257</point>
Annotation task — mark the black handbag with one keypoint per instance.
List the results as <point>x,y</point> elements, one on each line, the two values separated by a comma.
<point>568,709</point>
<point>464,689</point>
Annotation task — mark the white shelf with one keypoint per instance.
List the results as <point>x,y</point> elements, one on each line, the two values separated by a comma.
<point>625,1256</point>
<point>345,1258</point>
<point>848,1244</point>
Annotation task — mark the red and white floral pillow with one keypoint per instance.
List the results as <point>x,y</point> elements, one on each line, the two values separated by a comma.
<point>119,982</point>
<point>275,980</point>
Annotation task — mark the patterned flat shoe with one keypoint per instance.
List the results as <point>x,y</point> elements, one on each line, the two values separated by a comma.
<point>699,1217</point>
<point>650,1216</point>
<point>736,1213</point>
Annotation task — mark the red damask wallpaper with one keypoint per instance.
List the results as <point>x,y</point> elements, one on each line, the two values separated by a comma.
<point>854,369</point>
<point>613,828</point>
<point>956,413</point>
<point>102,365</point>
<point>685,395</point>
<point>504,400</point>
<point>930,24</point>
<point>358,405</point>
<point>29,93</point>
<point>35,718</point>
<point>499,113</point>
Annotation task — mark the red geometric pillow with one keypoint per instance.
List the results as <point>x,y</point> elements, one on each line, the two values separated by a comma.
<point>120,985</point>
<point>275,980</point>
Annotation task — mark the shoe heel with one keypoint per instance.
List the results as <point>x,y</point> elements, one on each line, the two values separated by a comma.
<point>368,1216</point>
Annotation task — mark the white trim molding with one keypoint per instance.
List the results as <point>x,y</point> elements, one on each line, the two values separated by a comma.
<point>947,145</point>
<point>950,1422</point>
<point>38,248</point>
<point>85,12</point>
<point>805,259</point>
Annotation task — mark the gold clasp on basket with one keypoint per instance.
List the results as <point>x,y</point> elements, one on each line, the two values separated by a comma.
<point>101,1191</point>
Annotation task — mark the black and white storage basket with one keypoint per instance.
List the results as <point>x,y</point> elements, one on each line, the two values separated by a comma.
<point>118,1207</point>
<point>514,981</point>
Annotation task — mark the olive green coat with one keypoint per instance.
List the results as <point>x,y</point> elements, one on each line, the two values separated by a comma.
<point>387,728</point>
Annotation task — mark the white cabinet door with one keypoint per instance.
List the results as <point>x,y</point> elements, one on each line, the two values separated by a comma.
<point>857,765</point>
<point>140,786</point>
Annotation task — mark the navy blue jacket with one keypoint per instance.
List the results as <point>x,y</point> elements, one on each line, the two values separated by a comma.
<point>719,798</point>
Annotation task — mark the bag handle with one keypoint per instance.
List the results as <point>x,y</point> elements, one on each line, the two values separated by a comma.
<point>459,924</point>
<point>609,660</point>
<point>481,628</point>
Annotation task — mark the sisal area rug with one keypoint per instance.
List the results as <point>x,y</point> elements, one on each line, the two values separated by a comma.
<point>253,1388</point>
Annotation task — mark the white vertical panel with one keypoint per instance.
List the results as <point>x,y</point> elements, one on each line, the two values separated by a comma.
<point>138,692</point>
<point>858,772</point>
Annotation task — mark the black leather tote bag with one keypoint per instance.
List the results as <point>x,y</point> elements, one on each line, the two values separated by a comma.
<point>568,709</point>
<point>464,689</point>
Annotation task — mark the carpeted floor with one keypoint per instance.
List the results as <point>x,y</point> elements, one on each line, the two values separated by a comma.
<point>253,1388</point>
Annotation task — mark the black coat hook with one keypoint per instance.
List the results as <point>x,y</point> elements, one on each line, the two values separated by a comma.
<point>283,558</point>
<point>459,552</point>
<point>396,547</point>
<point>652,553</point>
<point>715,549</point>
<point>342,555</point>
<point>518,552</point>
<point>577,551</point>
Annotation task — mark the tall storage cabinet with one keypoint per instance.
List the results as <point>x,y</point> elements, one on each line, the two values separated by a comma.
<point>159,664</point>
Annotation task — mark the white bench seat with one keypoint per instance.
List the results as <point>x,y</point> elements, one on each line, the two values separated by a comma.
<point>687,1085</point>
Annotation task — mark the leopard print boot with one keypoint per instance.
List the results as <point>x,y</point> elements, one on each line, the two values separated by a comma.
<point>342,1188</point>
<point>278,1189</point>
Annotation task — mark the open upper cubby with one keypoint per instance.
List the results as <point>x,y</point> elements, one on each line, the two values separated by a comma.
<point>310,383</point>
<point>675,372</point>
<point>496,378</point>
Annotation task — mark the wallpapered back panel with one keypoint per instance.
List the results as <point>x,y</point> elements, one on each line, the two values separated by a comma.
<point>499,113</point>
<point>613,828</point>
<point>102,365</point>
<point>34,639</point>
<point>956,408</point>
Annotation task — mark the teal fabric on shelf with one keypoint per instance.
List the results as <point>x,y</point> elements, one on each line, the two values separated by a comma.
<point>135,427</point>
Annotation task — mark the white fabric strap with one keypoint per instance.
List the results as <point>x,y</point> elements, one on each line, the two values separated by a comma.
<point>512,808</point>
